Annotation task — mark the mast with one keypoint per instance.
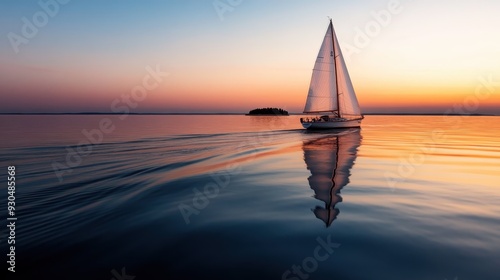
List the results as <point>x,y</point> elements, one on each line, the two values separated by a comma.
<point>335,67</point>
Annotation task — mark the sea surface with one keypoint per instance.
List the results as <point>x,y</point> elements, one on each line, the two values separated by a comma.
<point>252,197</point>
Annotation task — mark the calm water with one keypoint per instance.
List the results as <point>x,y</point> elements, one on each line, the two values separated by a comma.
<point>236,197</point>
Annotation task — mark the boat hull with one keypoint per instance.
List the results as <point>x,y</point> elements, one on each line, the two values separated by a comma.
<point>332,124</point>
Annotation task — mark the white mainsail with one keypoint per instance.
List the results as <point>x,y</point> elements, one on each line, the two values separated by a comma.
<point>331,87</point>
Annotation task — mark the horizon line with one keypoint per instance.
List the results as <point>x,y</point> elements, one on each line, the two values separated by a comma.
<point>232,113</point>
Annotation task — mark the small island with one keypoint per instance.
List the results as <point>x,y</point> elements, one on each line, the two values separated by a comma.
<point>268,112</point>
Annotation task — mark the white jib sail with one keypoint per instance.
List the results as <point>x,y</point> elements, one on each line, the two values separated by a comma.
<point>348,102</point>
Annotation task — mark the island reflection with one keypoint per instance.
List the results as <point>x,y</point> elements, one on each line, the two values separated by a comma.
<point>330,159</point>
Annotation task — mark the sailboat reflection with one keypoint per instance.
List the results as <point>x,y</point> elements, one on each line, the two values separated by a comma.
<point>330,159</point>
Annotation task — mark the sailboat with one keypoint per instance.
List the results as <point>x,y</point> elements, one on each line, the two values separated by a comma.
<point>331,94</point>
<point>330,159</point>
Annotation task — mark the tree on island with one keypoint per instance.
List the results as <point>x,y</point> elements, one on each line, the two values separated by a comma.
<point>268,111</point>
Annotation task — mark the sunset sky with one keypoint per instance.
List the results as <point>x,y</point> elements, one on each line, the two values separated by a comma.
<point>421,56</point>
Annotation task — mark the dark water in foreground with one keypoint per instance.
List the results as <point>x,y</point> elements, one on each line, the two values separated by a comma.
<point>236,197</point>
